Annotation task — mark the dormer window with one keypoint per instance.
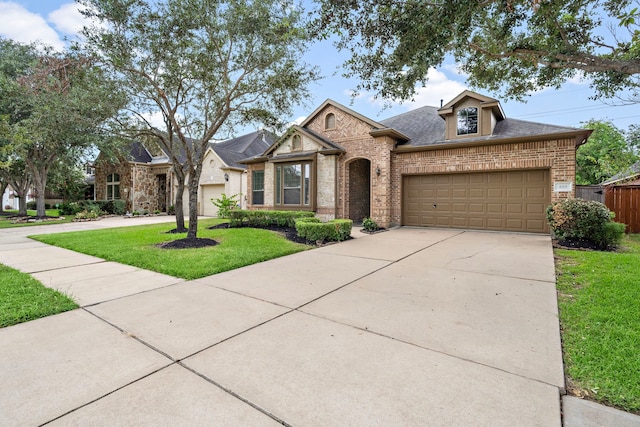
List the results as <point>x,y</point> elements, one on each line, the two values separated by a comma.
<point>296,143</point>
<point>467,121</point>
<point>330,121</point>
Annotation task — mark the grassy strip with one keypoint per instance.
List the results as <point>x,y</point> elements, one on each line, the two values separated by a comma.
<point>599,300</point>
<point>6,222</point>
<point>23,298</point>
<point>137,246</point>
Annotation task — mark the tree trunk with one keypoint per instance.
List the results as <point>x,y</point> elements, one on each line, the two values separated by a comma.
<point>178,205</point>
<point>22,203</point>
<point>40,183</point>
<point>193,205</point>
<point>39,168</point>
<point>3,187</point>
<point>21,189</point>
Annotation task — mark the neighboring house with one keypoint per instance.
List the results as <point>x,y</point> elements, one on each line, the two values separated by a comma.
<point>631,176</point>
<point>10,200</point>
<point>464,165</point>
<point>145,181</point>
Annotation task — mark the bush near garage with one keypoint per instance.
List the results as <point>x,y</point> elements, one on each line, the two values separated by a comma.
<point>246,218</point>
<point>586,221</point>
<point>313,230</point>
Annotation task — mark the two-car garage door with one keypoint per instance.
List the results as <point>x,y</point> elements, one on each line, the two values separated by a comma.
<point>509,200</point>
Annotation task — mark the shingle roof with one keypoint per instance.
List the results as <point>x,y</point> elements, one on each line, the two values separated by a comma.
<point>631,172</point>
<point>243,147</point>
<point>425,127</point>
<point>138,153</point>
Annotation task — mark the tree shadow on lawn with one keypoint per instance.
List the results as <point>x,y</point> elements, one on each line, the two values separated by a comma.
<point>193,243</point>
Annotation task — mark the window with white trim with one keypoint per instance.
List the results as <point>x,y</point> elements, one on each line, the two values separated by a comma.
<point>113,186</point>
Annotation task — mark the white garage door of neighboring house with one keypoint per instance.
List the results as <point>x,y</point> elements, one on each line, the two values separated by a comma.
<point>210,192</point>
<point>509,200</point>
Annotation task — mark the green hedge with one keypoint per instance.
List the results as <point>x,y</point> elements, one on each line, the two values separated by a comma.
<point>584,220</point>
<point>240,217</point>
<point>111,207</point>
<point>313,230</point>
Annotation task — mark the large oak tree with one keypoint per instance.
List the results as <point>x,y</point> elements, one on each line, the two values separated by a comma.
<point>507,46</point>
<point>207,66</point>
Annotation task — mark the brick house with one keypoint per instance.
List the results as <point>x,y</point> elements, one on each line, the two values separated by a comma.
<point>144,178</point>
<point>464,165</point>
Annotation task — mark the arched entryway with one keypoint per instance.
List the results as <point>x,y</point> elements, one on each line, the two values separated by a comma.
<point>359,189</point>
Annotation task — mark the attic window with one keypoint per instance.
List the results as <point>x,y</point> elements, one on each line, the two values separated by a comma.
<point>467,121</point>
<point>330,121</point>
<point>296,143</point>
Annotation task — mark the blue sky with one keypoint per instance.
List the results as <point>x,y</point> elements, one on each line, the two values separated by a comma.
<point>52,21</point>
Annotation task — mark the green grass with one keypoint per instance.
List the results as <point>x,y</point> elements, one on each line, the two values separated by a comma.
<point>137,246</point>
<point>599,301</point>
<point>6,222</point>
<point>23,298</point>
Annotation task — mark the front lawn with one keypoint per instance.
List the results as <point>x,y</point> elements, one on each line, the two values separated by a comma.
<point>137,246</point>
<point>23,298</point>
<point>599,301</point>
<point>6,220</point>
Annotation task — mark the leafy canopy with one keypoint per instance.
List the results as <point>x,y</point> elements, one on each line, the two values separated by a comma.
<point>206,66</point>
<point>508,46</point>
<point>605,154</point>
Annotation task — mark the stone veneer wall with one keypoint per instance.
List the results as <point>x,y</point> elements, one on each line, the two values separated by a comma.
<point>123,169</point>
<point>556,155</point>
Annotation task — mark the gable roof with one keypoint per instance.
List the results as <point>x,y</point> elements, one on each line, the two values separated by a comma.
<point>138,153</point>
<point>340,107</point>
<point>425,128</point>
<point>485,102</point>
<point>631,172</point>
<point>233,150</point>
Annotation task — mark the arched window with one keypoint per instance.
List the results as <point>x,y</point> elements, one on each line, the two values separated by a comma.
<point>296,143</point>
<point>330,121</point>
<point>113,186</point>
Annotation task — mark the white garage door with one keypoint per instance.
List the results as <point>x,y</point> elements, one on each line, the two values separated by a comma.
<point>213,191</point>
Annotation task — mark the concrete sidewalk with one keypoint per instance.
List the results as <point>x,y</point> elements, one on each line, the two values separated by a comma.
<point>406,327</point>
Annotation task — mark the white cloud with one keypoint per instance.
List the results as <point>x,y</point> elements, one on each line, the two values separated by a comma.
<point>298,120</point>
<point>156,119</point>
<point>67,19</point>
<point>18,24</point>
<point>438,87</point>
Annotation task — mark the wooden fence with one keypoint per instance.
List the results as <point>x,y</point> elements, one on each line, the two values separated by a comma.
<point>590,192</point>
<point>624,201</point>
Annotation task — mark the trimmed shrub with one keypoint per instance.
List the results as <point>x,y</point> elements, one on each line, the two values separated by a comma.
<point>578,219</point>
<point>240,217</point>
<point>69,208</point>
<point>610,235</point>
<point>369,225</point>
<point>335,230</point>
<point>32,206</point>
<point>88,214</point>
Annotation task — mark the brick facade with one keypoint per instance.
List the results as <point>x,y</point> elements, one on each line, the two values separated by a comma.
<point>556,155</point>
<point>374,161</point>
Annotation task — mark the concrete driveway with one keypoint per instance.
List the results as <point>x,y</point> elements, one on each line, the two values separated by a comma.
<point>405,327</point>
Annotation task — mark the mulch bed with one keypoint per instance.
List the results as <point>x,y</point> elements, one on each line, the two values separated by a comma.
<point>581,245</point>
<point>188,243</point>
